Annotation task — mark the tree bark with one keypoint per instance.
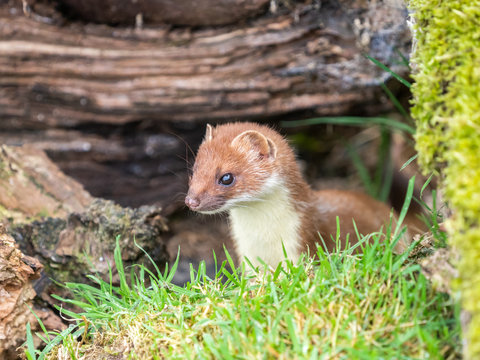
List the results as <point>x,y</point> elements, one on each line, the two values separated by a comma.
<point>53,219</point>
<point>185,12</point>
<point>114,107</point>
<point>16,292</point>
<point>308,60</point>
<point>32,186</point>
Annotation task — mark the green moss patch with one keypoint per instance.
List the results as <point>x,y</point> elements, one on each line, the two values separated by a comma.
<point>447,111</point>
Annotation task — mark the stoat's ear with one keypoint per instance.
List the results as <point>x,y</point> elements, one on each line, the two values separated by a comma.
<point>252,140</point>
<point>208,133</point>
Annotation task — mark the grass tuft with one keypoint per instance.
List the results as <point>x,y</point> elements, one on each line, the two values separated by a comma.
<point>340,305</point>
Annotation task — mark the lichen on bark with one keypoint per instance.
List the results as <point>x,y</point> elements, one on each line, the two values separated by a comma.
<point>84,242</point>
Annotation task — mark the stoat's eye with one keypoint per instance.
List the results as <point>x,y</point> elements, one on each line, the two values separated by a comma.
<point>226,179</point>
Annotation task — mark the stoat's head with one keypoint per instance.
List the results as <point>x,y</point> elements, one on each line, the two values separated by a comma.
<point>235,164</point>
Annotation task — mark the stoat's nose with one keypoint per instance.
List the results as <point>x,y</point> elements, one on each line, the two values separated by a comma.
<point>192,203</point>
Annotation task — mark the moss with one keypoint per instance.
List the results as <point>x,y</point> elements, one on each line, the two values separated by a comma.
<point>446,107</point>
<point>84,242</point>
<point>5,171</point>
<point>4,213</point>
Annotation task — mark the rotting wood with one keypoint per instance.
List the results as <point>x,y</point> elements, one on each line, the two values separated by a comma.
<point>114,107</point>
<point>33,186</point>
<point>16,293</point>
<point>54,219</point>
<point>309,60</point>
<point>185,12</point>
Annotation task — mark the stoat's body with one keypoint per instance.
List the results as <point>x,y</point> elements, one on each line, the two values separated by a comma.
<point>250,171</point>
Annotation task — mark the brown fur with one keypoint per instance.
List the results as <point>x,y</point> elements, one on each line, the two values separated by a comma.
<point>253,160</point>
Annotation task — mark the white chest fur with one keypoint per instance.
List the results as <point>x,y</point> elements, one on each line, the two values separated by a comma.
<point>259,228</point>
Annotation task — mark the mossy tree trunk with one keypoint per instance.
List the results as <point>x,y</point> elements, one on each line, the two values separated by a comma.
<point>447,110</point>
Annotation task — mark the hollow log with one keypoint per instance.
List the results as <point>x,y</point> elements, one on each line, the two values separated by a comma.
<point>309,60</point>
<point>185,12</point>
<point>114,107</point>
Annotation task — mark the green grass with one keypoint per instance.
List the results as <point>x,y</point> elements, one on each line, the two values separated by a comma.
<point>343,305</point>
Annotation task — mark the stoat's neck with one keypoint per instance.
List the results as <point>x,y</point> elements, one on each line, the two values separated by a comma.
<point>260,227</point>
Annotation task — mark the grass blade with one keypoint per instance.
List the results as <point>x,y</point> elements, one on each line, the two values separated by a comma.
<point>351,121</point>
<point>387,69</point>
<point>405,61</point>
<point>396,103</point>
<point>406,205</point>
<point>30,352</point>
<point>408,162</point>
<point>362,171</point>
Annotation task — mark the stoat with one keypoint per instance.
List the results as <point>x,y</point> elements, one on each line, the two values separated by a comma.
<point>250,171</point>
